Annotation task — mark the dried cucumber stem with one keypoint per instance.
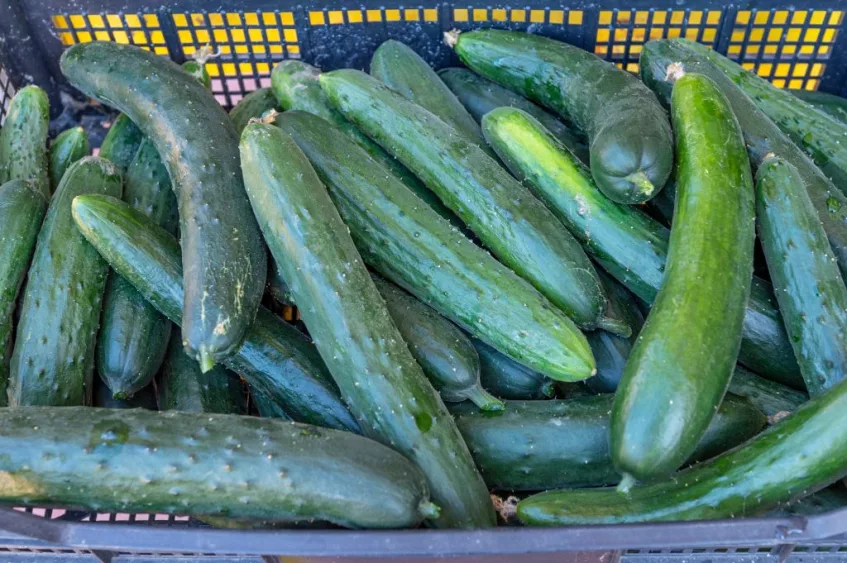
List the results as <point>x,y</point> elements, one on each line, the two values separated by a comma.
<point>506,508</point>
<point>451,37</point>
<point>268,118</point>
<point>675,72</point>
<point>205,54</point>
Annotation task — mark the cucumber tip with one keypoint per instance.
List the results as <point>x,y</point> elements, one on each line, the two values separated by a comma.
<point>206,360</point>
<point>429,510</point>
<point>626,484</point>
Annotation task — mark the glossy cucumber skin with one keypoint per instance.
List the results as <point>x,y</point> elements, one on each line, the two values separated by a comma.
<point>137,461</point>
<point>416,249</point>
<point>480,96</point>
<point>564,443</point>
<point>134,336</point>
<point>380,381</point>
<point>510,221</point>
<point>251,106</point>
<point>22,209</point>
<point>144,399</point>
<point>274,356</point>
<point>680,366</point>
<point>121,142</point>
<point>627,243</point>
<point>23,140</point>
<point>629,133</point>
<point>769,397</point>
<point>67,148</point>
<point>797,456</point>
<point>505,378</point>
<point>225,273</point>
<point>836,106</point>
<point>807,282</point>
<point>268,406</point>
<point>276,286</point>
<point>53,359</point>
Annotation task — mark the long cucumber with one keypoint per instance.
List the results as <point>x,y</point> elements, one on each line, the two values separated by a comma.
<point>23,140</point>
<point>67,148</point>
<point>507,379</point>
<point>836,106</point>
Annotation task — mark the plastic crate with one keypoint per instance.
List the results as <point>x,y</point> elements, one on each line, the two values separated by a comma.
<point>801,45</point>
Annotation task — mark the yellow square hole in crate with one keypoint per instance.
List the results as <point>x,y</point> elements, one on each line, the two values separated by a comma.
<point>336,17</point>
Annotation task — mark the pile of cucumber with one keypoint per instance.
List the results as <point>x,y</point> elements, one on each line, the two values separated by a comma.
<point>486,306</point>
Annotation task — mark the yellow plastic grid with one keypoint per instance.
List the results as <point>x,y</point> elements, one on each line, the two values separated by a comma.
<point>788,47</point>
<point>517,15</point>
<point>142,30</point>
<point>357,16</point>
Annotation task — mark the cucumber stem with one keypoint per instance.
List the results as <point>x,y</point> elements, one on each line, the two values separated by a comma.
<point>483,399</point>
<point>641,182</point>
<point>206,360</point>
<point>674,72</point>
<point>548,388</point>
<point>451,37</point>
<point>627,481</point>
<point>615,326</point>
<point>429,510</point>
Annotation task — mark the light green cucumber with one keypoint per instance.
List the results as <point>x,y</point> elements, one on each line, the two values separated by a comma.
<point>23,139</point>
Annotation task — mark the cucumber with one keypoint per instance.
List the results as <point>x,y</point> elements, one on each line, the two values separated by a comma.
<point>251,106</point>
<point>268,407</point>
<point>197,70</point>
<point>825,500</point>
<point>274,356</point>
<point>383,386</point>
<point>223,253</point>
<point>121,143</point>
<point>541,445</point>
<point>184,387</point>
<point>53,358</point>
<point>627,243</point>
<point>629,135</point>
<point>681,364</point>
<point>771,398</point>
<point>509,220</point>
<point>480,96</point>
<point>507,379</point>
<point>22,208</point>
<point>801,454</point>
<point>67,148</point>
<point>134,336</point>
<point>144,399</point>
<point>403,70</point>
<point>136,461</point>
<point>23,140</point>
<point>412,246</point>
<point>836,106</point>
<point>276,286</point>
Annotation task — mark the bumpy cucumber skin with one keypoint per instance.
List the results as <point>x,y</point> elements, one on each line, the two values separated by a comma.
<point>836,106</point>
<point>23,140</point>
<point>480,96</point>
<point>377,376</point>
<point>416,249</point>
<point>67,148</point>
<point>801,454</point>
<point>223,253</point>
<point>681,364</point>
<point>142,461</point>
<point>53,358</point>
<point>121,142</point>
<point>516,226</point>
<point>626,242</point>
<point>808,285</point>
<point>22,209</point>
<point>274,356</point>
<point>507,379</point>
<point>769,397</point>
<point>251,106</point>
<point>542,445</point>
<point>629,133</point>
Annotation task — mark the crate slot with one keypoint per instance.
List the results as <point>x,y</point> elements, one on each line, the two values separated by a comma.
<point>142,30</point>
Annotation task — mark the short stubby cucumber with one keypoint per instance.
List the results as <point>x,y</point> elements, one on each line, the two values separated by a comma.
<point>629,133</point>
<point>223,253</point>
<point>836,106</point>
<point>67,148</point>
<point>53,358</point>
<point>252,106</point>
<point>23,139</point>
<point>378,377</point>
<point>121,142</point>
<point>141,461</point>
<point>507,379</point>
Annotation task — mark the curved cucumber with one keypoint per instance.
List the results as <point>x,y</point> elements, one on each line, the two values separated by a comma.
<point>252,106</point>
<point>769,397</point>
<point>413,247</point>
<point>67,148</point>
<point>23,140</point>
<point>53,359</point>
<point>681,364</point>
<point>542,445</point>
<point>223,253</point>
<point>136,461</point>
<point>507,379</point>
<point>629,134</point>
<point>121,142</point>
<point>480,96</point>
<point>516,226</point>
<point>836,106</point>
<point>626,242</point>
<point>274,356</point>
<point>22,209</point>
<point>377,376</point>
<point>144,399</point>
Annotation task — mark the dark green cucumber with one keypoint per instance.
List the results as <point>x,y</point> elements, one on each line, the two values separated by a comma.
<point>507,379</point>
<point>769,397</point>
<point>171,462</point>
<point>629,134</point>
<point>22,208</point>
<point>480,96</point>
<point>252,106</point>
<point>223,254</point>
<point>67,148</point>
<point>378,377</point>
<point>134,336</point>
<point>542,445</point>
<point>801,454</point>
<point>412,246</point>
<point>836,106</point>
<point>184,387</point>
<point>808,285</point>
<point>121,143</point>
<point>510,221</point>
<point>144,399</point>
<point>403,70</point>
<point>53,359</point>
<point>681,364</point>
<point>626,242</point>
<point>825,500</point>
<point>268,407</point>
<point>23,139</point>
<point>274,356</point>
<point>276,286</point>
